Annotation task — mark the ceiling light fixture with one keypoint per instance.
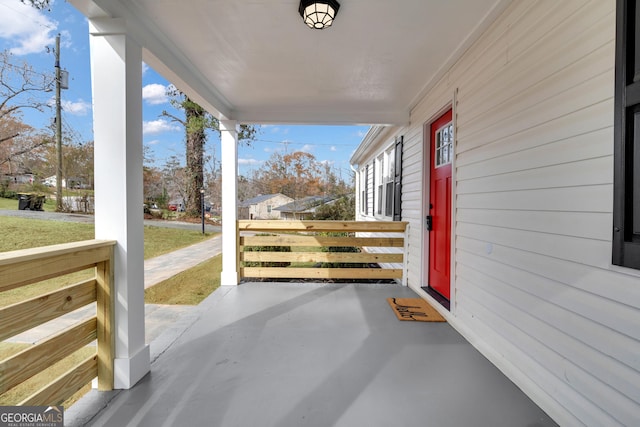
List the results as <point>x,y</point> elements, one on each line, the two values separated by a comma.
<point>318,14</point>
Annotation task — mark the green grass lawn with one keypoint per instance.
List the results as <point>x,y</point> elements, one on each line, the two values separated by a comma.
<point>189,287</point>
<point>21,233</point>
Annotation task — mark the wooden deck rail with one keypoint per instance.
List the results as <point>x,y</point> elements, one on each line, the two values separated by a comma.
<point>24,267</point>
<point>261,255</point>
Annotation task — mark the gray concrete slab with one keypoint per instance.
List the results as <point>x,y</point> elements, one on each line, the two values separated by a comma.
<point>282,354</point>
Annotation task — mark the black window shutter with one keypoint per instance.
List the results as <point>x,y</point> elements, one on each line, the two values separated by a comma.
<point>626,209</point>
<point>397,181</point>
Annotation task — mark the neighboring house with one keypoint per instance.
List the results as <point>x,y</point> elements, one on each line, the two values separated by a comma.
<point>53,180</point>
<point>18,178</point>
<point>263,206</point>
<point>304,208</point>
<point>512,177</point>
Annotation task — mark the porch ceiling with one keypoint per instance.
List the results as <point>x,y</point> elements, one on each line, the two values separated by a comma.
<point>255,61</point>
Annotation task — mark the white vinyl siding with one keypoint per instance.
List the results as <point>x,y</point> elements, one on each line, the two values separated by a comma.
<point>533,191</point>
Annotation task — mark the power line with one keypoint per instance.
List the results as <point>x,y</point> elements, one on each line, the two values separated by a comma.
<point>28,17</point>
<point>286,143</point>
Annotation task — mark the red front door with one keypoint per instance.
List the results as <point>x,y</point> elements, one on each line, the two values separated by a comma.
<point>439,209</point>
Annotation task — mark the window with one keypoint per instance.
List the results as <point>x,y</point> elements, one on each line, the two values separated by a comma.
<point>397,180</point>
<point>389,175</point>
<point>364,190</point>
<point>626,209</point>
<point>444,145</point>
<point>269,207</point>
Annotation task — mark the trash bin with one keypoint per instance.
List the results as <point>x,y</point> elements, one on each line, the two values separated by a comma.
<point>24,201</point>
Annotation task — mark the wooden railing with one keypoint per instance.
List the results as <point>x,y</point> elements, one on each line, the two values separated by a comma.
<point>317,244</point>
<point>24,267</point>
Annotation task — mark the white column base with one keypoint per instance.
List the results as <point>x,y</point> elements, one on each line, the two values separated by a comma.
<point>127,372</point>
<point>228,278</point>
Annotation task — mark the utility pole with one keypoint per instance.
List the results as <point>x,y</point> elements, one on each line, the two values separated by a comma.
<point>58,129</point>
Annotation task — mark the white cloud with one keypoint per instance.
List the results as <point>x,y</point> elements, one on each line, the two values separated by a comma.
<point>155,94</point>
<point>77,108</point>
<point>145,68</point>
<point>333,148</point>
<point>249,162</point>
<point>307,148</point>
<point>154,127</point>
<point>327,162</point>
<point>153,142</point>
<point>26,28</point>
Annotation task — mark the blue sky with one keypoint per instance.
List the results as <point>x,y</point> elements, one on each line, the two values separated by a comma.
<point>30,36</point>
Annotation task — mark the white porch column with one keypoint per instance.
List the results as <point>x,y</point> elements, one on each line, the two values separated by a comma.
<point>229,142</point>
<point>116,68</point>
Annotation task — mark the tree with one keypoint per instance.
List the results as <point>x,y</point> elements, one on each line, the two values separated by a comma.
<point>196,122</point>
<point>174,179</point>
<point>21,151</point>
<point>342,209</point>
<point>297,175</point>
<point>20,87</point>
<point>38,4</point>
<point>78,165</point>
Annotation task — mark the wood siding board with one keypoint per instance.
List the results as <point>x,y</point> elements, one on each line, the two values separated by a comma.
<point>580,122</point>
<point>542,59</point>
<point>588,225</point>
<point>581,173</point>
<point>22,316</point>
<point>561,360</point>
<point>64,386</point>
<point>487,321</point>
<point>584,251</point>
<point>33,360</point>
<point>319,241</point>
<point>594,198</point>
<point>593,145</point>
<point>580,276</point>
<point>321,273</point>
<point>320,257</point>
<point>570,310</point>
<point>509,121</point>
<point>16,267</point>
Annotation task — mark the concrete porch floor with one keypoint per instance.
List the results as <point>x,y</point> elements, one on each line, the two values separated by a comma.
<point>282,354</point>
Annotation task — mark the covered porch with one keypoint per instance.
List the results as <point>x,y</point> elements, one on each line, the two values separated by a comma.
<point>293,354</point>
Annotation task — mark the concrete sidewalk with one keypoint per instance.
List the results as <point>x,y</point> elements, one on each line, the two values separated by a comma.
<point>168,265</point>
<point>157,317</point>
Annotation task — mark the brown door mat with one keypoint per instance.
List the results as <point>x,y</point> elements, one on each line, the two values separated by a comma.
<point>415,309</point>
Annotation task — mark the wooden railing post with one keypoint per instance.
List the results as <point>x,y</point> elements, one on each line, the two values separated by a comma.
<point>406,251</point>
<point>238,265</point>
<point>104,297</point>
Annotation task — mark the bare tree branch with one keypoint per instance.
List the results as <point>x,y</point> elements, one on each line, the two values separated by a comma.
<point>6,138</point>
